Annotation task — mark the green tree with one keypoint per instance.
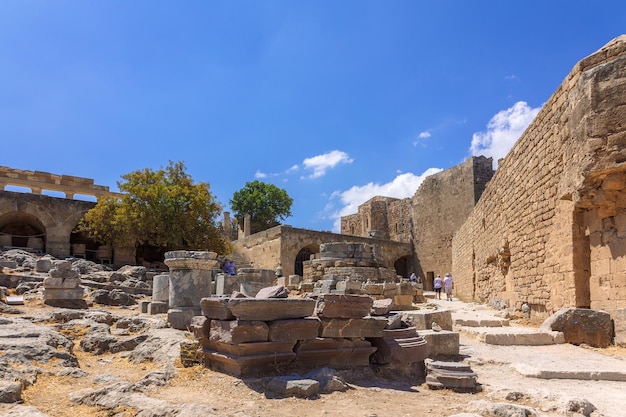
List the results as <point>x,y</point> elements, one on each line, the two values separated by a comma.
<point>161,208</point>
<point>265,203</point>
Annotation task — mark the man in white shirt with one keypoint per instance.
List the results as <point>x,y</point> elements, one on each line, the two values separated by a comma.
<point>448,285</point>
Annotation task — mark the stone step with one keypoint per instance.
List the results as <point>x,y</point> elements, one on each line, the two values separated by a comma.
<point>510,336</point>
<point>481,322</point>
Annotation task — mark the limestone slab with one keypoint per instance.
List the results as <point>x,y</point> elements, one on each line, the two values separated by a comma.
<point>338,353</point>
<point>343,306</point>
<point>238,331</point>
<point>247,365</point>
<point>271,308</point>
<point>216,308</point>
<point>364,327</point>
<point>423,319</point>
<point>441,343</point>
<point>249,349</point>
<point>294,329</point>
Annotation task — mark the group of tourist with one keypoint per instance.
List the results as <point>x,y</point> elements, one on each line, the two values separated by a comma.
<point>447,284</point>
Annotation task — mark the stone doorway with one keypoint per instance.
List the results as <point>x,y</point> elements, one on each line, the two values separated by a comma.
<point>22,230</point>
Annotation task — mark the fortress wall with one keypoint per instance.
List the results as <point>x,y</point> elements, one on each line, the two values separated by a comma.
<point>439,208</point>
<point>549,228</point>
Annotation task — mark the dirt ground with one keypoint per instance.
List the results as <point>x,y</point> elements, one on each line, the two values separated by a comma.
<point>369,394</point>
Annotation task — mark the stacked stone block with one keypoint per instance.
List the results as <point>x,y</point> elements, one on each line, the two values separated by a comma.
<point>62,288</point>
<point>245,336</point>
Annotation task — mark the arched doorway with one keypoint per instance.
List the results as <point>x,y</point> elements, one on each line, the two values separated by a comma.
<point>302,256</point>
<point>22,230</point>
<point>402,266</point>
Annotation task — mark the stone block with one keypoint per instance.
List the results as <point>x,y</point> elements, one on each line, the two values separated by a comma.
<point>43,265</point>
<point>403,302</point>
<point>337,353</point>
<point>293,386</point>
<point>200,327</point>
<point>276,291</point>
<point>143,306</point>
<point>225,284</point>
<point>249,349</point>
<point>372,289</point>
<point>363,327</point>
<point>343,306</point>
<point>157,307</point>
<point>6,263</point>
<point>381,307</point>
<point>294,280</point>
<point>161,288</point>
<point>238,331</point>
<point>179,318</point>
<point>294,329</point>
<point>271,308</point>
<point>216,308</point>
<point>242,366</point>
<point>251,280</point>
<point>400,346</point>
<point>441,343</point>
<point>581,325</point>
<point>63,293</point>
<point>423,319</point>
<point>51,282</point>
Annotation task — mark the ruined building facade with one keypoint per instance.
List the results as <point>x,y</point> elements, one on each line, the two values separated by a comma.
<point>429,219</point>
<point>550,228</point>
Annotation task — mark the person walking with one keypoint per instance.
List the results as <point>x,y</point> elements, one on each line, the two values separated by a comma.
<point>437,284</point>
<point>448,286</point>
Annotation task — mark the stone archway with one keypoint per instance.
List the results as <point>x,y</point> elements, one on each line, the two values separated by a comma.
<point>402,266</point>
<point>304,255</point>
<point>22,230</point>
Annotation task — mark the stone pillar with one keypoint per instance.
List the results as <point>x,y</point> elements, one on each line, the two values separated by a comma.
<point>160,294</point>
<point>189,282</point>
<point>226,224</point>
<point>246,225</point>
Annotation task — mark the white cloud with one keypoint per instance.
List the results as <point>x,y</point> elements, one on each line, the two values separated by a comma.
<point>403,186</point>
<point>321,163</point>
<point>503,130</point>
<point>421,138</point>
<point>258,175</point>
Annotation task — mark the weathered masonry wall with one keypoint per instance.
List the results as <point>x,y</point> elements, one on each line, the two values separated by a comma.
<point>381,217</point>
<point>292,246</point>
<point>550,228</point>
<point>439,208</point>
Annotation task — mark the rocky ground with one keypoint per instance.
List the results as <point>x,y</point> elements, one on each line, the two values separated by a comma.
<point>110,360</point>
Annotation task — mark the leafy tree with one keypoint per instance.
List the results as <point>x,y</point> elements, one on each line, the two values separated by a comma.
<point>265,203</point>
<point>161,208</point>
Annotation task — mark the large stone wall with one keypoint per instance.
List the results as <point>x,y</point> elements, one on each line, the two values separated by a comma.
<point>381,217</point>
<point>439,208</point>
<point>550,228</point>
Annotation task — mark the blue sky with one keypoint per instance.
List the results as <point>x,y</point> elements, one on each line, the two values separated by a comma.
<point>334,101</point>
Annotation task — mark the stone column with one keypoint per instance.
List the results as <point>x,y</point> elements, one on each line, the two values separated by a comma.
<point>160,294</point>
<point>246,225</point>
<point>189,282</point>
